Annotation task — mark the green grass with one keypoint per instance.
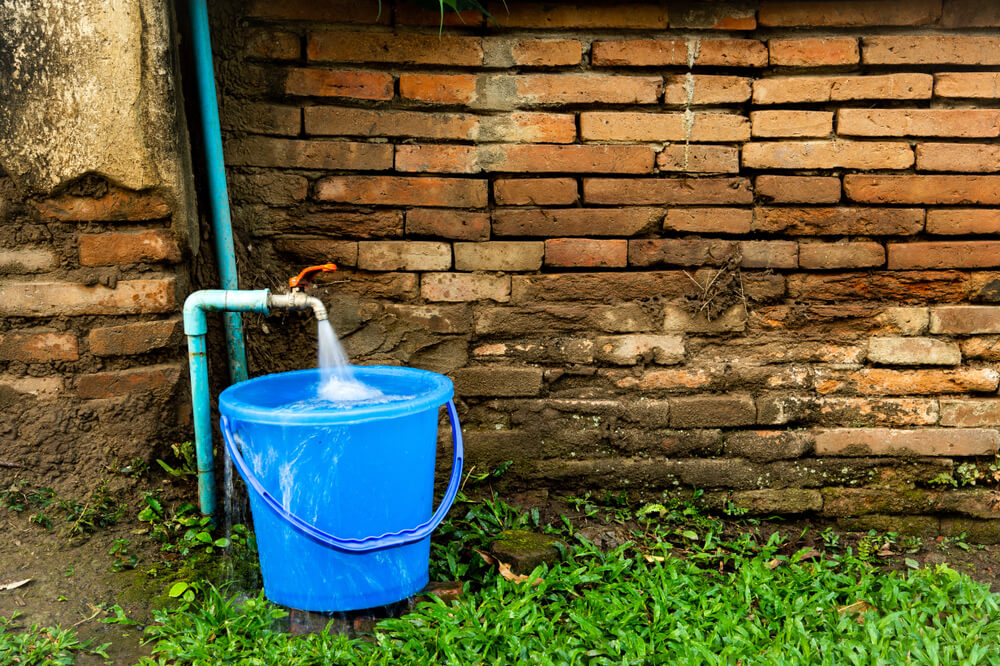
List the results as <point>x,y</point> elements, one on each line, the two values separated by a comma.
<point>41,645</point>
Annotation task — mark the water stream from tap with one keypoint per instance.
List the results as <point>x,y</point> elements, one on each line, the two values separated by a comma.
<point>337,382</point>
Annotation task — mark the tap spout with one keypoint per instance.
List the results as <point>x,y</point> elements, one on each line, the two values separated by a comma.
<point>297,300</point>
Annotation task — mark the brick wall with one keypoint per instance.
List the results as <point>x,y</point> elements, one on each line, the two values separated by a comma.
<point>747,248</point>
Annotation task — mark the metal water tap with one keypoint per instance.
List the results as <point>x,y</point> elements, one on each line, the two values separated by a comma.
<point>296,299</point>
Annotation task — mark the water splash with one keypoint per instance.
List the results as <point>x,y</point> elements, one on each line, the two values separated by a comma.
<point>337,382</point>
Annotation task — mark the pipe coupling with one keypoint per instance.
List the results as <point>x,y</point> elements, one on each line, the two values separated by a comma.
<point>297,300</point>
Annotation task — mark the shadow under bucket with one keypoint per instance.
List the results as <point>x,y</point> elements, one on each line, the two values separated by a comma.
<point>341,493</point>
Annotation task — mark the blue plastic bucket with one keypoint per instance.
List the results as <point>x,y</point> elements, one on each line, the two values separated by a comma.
<point>341,495</point>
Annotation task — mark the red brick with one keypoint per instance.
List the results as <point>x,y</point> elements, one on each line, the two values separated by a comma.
<point>27,260</point>
<point>791,123</point>
<point>575,221</point>
<point>150,245</point>
<point>38,347</point>
<point>699,158</point>
<point>444,319</point>
<point>160,380</point>
<point>504,381</point>
<point>769,254</point>
<point>40,388</point>
<point>791,89</point>
<point>880,381</point>
<point>970,14</point>
<point>406,13</point>
<point>798,189</point>
<point>667,191</point>
<point>694,89</point>
<point>546,52</point>
<point>913,351</point>
<point>437,158</point>
<point>581,15</point>
<point>372,224</point>
<point>329,11</point>
<point>827,155</point>
<point>824,256</point>
<point>923,189</point>
<point>378,285</point>
<point>527,127</point>
<point>524,158</point>
<point>312,154</point>
<point>902,286</point>
<point>396,47</point>
<point>338,83</point>
<point>972,85</point>
<point>67,299</point>
<point>273,45</point>
<point>261,118</point>
<point>708,220</point>
<point>552,318</point>
<point>499,256</point>
<point>962,221</point>
<point>712,411</point>
<point>437,88</point>
<point>133,338</point>
<point>670,52</point>
<point>679,252</point>
<point>965,320</point>
<point>461,287</point>
<point>279,189</point>
<point>831,411</point>
<point>658,127</point>
<point>455,224</point>
<point>965,157</point>
<point>970,413</point>
<point>404,255</point>
<point>586,253</point>
<point>958,254</point>
<point>984,348</point>
<point>587,89</point>
<point>600,287</point>
<point>400,191</point>
<point>930,50</point>
<point>919,122</point>
<point>814,51</point>
<point>631,349</point>
<point>313,251</point>
<point>535,191</point>
<point>847,13</point>
<point>115,206</point>
<point>893,442</point>
<point>340,121</point>
<point>694,15</point>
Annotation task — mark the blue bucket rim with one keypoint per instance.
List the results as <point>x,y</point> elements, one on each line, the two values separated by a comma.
<point>439,391</point>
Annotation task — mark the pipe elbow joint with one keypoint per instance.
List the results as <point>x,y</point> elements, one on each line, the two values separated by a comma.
<point>297,300</point>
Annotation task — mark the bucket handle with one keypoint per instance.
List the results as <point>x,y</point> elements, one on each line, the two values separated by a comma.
<point>364,544</point>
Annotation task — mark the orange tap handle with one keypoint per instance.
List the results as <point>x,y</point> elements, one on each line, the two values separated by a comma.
<point>302,280</point>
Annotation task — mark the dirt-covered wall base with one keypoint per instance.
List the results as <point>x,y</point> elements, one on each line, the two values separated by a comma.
<point>742,247</point>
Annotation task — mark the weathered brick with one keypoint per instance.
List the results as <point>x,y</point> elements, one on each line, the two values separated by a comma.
<point>584,88</point>
<point>966,157</point>
<point>904,321</point>
<point>38,346</point>
<point>956,254</point>
<point>437,88</point>
<point>396,48</point>
<point>697,158</point>
<point>455,224</point>
<point>962,221</point>
<point>499,256</point>
<point>824,256</point>
<point>587,159</point>
<point>160,380</point>
<point>115,206</point>
<point>768,350</point>
<point>338,83</point>
<point>832,411</point>
<point>969,85</point>
<point>581,15</point>
<point>930,50</point>
<point>679,252</point>
<point>404,255</point>
<point>923,189</point>
<point>913,351</point>
<point>545,350</point>
<point>630,349</point>
<point>312,154</point>
<point>986,348</point>
<point>902,286</point>
<point>378,285</point>
<point>712,411</point>
<point>437,158</point>
<point>926,527</point>
<point>672,380</point>
<point>798,189</point>
<point>575,221</point>
<point>769,254</point>
<point>814,51</point>
<point>586,252</point>
<point>865,501</point>
<point>444,319</point>
<point>890,442</point>
<point>341,121</point>
<point>501,380</point>
<point>313,251</point>
<point>827,155</point>
<point>879,381</point>
<point>261,118</point>
<point>919,122</point>
<point>535,191</point>
<point>847,13</point>
<point>684,320</point>
<point>331,11</point>
<point>461,287</point>
<point>675,52</point>
<point>768,445</point>
<point>67,299</point>
<point>965,320</point>
<point>551,318</point>
<point>791,89</point>
<point>632,126</point>
<point>769,501</point>
<point>18,261</point>
<point>976,531</point>
<point>969,14</point>
<point>667,191</point>
<point>411,14</point>
<point>708,220</point>
<point>40,388</point>
<point>133,338</point>
<point>539,53</point>
<point>693,89</point>
<point>128,247</point>
<point>602,287</point>
<point>970,413</point>
<point>791,123</point>
<point>268,188</point>
<point>349,224</point>
<point>839,221</point>
<point>527,127</point>
<point>403,191</point>
<point>272,44</point>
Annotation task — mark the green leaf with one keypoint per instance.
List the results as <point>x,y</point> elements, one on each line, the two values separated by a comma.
<point>222,543</point>
<point>204,537</point>
<point>913,564</point>
<point>177,589</point>
<point>689,534</point>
